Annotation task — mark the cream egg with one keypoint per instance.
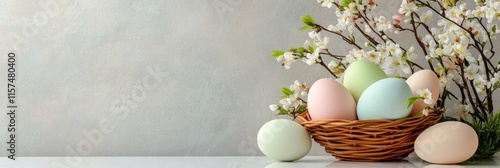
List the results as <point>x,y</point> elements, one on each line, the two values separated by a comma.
<point>423,79</point>
<point>447,143</point>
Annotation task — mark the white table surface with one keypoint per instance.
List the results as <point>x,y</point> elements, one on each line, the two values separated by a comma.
<point>222,162</point>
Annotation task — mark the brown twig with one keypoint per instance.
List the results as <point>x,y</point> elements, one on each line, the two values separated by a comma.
<point>322,63</point>
<point>341,35</point>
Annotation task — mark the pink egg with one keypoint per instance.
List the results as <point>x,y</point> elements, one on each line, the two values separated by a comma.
<point>328,99</point>
<point>424,79</point>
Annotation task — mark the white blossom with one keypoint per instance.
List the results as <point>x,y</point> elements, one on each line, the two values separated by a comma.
<point>479,12</point>
<point>288,58</point>
<point>374,57</point>
<point>333,28</point>
<point>289,104</point>
<point>312,58</point>
<point>306,44</point>
<point>405,67</point>
<point>300,89</point>
<point>480,83</point>
<point>426,95</point>
<point>273,107</point>
<point>382,49</point>
<point>345,20</point>
<point>410,54</point>
<point>471,71</point>
<point>444,81</point>
<point>426,17</point>
<point>447,50</point>
<point>495,79</point>
<point>391,66</point>
<point>425,112</point>
<point>490,14</point>
<point>462,109</point>
<point>407,7</point>
<point>322,44</point>
<point>455,13</point>
<point>326,3</point>
<point>352,7</point>
<point>313,34</point>
<point>334,66</point>
<point>382,24</point>
<point>394,49</point>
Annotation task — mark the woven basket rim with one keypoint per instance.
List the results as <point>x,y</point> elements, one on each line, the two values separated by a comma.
<point>302,118</point>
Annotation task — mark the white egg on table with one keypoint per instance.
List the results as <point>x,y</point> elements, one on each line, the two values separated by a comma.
<point>283,140</point>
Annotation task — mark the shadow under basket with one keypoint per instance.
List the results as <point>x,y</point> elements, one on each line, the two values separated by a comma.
<point>368,140</point>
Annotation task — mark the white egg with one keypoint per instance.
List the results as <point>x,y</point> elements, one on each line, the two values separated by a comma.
<point>283,140</point>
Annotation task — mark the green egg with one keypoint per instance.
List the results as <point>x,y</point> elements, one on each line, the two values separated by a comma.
<point>283,140</point>
<point>361,74</point>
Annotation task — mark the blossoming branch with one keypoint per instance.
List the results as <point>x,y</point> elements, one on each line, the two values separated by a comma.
<point>458,47</point>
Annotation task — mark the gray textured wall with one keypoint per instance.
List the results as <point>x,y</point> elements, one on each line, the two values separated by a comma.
<point>189,77</point>
<point>216,78</point>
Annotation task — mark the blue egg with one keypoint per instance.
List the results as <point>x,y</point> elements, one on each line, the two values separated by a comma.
<point>385,99</point>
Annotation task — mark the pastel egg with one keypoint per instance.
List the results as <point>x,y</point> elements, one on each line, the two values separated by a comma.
<point>341,79</point>
<point>361,74</point>
<point>283,140</point>
<point>328,99</point>
<point>423,79</point>
<point>385,99</point>
<point>447,143</point>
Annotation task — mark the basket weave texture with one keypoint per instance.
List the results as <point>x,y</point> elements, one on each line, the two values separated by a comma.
<point>368,140</point>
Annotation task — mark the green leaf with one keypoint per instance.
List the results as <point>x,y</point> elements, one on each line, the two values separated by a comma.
<point>282,112</point>
<point>412,100</point>
<point>487,131</point>
<point>287,91</point>
<point>345,3</point>
<point>277,53</point>
<point>307,27</point>
<point>308,20</point>
<point>418,115</point>
<point>301,51</point>
<point>447,3</point>
<point>494,28</point>
<point>311,49</point>
<point>360,2</point>
<point>453,2</point>
<point>496,85</point>
<point>420,5</point>
<point>302,108</point>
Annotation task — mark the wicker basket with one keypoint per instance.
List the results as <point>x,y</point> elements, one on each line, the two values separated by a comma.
<point>368,140</point>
